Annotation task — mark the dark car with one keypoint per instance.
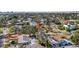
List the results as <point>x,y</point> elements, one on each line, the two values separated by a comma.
<point>65,43</point>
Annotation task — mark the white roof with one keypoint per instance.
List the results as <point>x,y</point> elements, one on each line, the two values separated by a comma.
<point>23,39</point>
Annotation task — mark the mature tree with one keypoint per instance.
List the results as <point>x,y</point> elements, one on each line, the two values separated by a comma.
<point>29,29</point>
<point>75,37</point>
<point>11,29</point>
<point>1,30</point>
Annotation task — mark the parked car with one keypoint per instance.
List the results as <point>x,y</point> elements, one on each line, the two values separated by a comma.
<point>65,42</point>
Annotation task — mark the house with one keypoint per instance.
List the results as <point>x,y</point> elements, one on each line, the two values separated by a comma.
<point>38,26</point>
<point>59,40</point>
<point>52,41</point>
<point>69,25</point>
<point>23,39</point>
<point>33,23</point>
<point>33,40</point>
<point>58,36</point>
<point>5,31</point>
<point>18,25</point>
<point>5,43</point>
<point>42,20</point>
<point>29,19</point>
<point>12,37</point>
<point>54,27</point>
<point>78,26</point>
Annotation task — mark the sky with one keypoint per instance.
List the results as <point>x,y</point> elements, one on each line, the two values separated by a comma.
<point>39,5</point>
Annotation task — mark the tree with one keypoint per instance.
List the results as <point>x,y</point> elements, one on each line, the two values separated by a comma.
<point>1,30</point>
<point>75,37</point>
<point>48,45</point>
<point>13,42</point>
<point>2,21</point>
<point>29,29</point>
<point>11,29</point>
<point>13,21</point>
<point>61,27</point>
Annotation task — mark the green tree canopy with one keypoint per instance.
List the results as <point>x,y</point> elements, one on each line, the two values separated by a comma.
<point>75,37</point>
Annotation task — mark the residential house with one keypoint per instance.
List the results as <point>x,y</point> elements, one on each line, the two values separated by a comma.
<point>23,39</point>
<point>52,41</point>
<point>33,23</point>
<point>70,25</point>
